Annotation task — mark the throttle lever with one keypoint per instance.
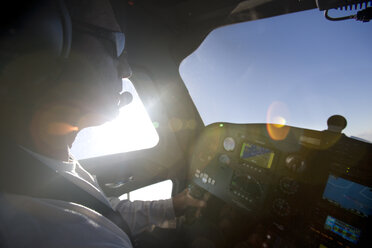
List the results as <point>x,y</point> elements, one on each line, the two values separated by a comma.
<point>193,213</point>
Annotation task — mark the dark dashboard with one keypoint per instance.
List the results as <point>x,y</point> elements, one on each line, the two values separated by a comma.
<point>304,188</point>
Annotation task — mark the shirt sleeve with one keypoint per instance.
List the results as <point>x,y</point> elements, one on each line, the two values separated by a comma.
<point>143,215</point>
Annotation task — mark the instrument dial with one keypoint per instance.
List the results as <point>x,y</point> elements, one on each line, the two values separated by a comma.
<point>248,185</point>
<point>229,144</point>
<point>295,163</point>
<point>288,185</point>
<point>224,159</point>
<point>281,207</point>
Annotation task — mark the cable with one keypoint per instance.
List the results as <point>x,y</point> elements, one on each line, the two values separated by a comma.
<point>362,15</point>
<point>338,18</point>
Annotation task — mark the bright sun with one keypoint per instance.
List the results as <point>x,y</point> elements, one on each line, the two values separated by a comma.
<point>131,130</point>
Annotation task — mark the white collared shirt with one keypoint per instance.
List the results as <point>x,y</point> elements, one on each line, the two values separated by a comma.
<point>68,224</point>
<point>75,173</point>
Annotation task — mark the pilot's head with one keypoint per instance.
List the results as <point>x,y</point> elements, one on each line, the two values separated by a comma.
<point>91,80</point>
<point>47,94</point>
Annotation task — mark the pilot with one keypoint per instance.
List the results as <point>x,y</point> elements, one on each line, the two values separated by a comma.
<point>49,92</point>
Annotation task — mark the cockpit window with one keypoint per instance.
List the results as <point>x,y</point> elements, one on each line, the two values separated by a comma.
<point>131,130</point>
<point>297,69</point>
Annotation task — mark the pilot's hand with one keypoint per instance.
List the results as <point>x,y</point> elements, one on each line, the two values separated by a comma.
<point>184,200</point>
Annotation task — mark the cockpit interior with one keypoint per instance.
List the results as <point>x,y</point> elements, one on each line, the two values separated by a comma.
<point>266,184</point>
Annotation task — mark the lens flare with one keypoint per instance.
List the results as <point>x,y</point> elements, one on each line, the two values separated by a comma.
<point>60,128</point>
<point>277,116</point>
<point>175,124</point>
<point>279,121</point>
<point>206,147</point>
<point>191,124</point>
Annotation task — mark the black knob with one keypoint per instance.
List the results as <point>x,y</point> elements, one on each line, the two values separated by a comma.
<point>336,123</point>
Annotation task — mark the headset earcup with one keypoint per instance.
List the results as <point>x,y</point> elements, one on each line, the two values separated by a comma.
<point>34,42</point>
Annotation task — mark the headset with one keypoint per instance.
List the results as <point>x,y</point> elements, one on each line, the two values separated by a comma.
<point>34,38</point>
<point>35,41</point>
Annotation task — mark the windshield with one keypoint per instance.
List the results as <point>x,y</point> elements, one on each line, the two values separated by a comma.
<point>297,69</point>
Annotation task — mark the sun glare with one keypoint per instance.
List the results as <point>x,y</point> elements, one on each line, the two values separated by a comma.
<point>131,130</point>
<point>157,191</point>
<point>279,121</point>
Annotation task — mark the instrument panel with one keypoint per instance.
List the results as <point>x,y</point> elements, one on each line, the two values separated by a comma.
<point>310,188</point>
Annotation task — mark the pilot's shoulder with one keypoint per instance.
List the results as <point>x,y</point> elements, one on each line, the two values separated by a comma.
<point>29,222</point>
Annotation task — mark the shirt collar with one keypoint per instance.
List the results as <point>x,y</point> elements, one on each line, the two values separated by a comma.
<point>54,164</point>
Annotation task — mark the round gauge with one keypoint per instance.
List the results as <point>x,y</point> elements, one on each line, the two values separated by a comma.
<point>281,207</point>
<point>248,185</point>
<point>288,185</point>
<point>295,163</point>
<point>224,159</point>
<point>229,144</point>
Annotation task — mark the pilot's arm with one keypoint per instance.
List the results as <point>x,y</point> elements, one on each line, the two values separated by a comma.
<point>143,215</point>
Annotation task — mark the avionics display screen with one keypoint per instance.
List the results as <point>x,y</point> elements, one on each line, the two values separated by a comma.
<point>342,229</point>
<point>257,155</point>
<point>348,195</point>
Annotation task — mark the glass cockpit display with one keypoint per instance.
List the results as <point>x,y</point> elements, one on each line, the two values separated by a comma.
<point>342,229</point>
<point>257,155</point>
<point>353,197</point>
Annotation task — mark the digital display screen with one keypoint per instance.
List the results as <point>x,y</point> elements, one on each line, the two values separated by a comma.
<point>342,229</point>
<point>257,155</point>
<point>348,195</point>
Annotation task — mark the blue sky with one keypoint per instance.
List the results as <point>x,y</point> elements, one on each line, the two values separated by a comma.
<point>302,66</point>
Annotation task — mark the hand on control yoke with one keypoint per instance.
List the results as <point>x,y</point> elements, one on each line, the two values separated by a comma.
<point>184,200</point>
